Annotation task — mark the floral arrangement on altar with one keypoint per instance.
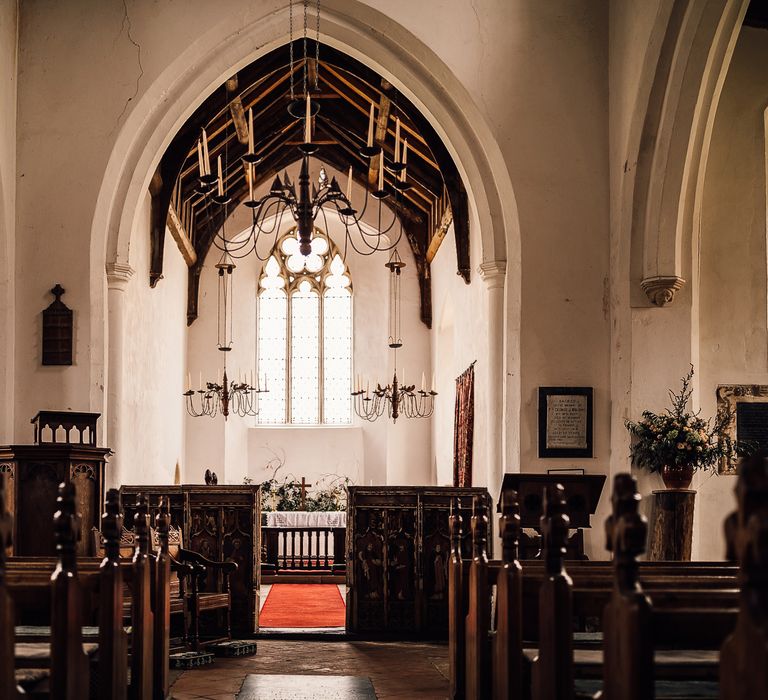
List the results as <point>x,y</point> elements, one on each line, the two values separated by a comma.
<point>329,492</point>
<point>678,442</point>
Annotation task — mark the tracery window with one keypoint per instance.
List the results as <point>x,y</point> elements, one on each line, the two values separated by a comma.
<point>304,334</point>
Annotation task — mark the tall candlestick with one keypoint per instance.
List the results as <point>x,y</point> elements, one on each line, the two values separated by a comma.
<point>397,140</point>
<point>381,170</point>
<point>206,154</point>
<point>349,185</point>
<point>370,127</point>
<point>308,122</point>
<point>221,180</point>
<point>250,131</point>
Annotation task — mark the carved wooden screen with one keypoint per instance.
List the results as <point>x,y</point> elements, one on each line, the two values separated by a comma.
<point>397,554</point>
<point>220,522</point>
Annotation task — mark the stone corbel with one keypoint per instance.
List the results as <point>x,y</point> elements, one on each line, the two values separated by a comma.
<point>661,290</point>
<point>118,275</point>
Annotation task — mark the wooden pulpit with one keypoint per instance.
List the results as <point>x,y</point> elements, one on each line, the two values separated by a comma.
<point>582,494</point>
<point>64,450</point>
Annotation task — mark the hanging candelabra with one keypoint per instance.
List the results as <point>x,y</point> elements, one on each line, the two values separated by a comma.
<point>224,395</point>
<point>398,397</point>
<point>305,203</point>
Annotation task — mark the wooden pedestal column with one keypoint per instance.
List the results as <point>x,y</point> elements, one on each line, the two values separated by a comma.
<point>671,531</point>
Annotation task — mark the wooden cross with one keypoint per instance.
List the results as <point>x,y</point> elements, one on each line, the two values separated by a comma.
<point>304,486</point>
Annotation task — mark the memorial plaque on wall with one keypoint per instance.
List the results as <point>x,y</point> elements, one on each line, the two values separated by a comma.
<point>565,421</point>
<point>749,405</point>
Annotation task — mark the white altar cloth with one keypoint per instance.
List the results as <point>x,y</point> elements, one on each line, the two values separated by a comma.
<point>304,518</point>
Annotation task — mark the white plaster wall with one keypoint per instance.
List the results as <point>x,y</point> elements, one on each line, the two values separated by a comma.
<point>8,87</point>
<point>153,364</point>
<point>459,337</point>
<point>734,303</point>
<point>378,452</point>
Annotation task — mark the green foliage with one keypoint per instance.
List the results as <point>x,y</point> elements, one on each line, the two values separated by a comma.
<point>329,493</point>
<point>679,437</point>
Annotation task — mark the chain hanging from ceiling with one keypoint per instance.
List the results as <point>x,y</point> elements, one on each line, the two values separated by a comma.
<point>397,398</point>
<point>304,201</point>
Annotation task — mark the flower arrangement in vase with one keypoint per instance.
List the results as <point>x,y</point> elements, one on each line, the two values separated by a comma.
<point>678,442</point>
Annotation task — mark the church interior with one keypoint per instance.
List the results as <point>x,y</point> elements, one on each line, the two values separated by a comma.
<point>384,349</point>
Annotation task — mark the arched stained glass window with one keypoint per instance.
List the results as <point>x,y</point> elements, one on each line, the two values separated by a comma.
<point>304,335</point>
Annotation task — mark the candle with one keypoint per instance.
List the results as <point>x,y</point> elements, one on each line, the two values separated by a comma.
<point>206,154</point>
<point>397,140</point>
<point>381,170</point>
<point>250,132</point>
<point>349,185</point>
<point>200,163</point>
<point>250,181</point>
<point>370,127</point>
<point>251,382</point>
<point>405,159</point>
<point>189,381</point>
<point>433,382</point>
<point>221,180</point>
<point>308,121</point>
<point>422,382</point>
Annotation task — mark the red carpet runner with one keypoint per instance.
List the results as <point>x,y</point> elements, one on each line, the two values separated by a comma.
<point>303,605</point>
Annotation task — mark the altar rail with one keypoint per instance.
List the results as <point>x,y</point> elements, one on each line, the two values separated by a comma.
<point>304,548</point>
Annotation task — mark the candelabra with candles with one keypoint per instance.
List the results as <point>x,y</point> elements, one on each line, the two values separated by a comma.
<point>395,398</point>
<point>308,202</point>
<point>398,397</point>
<point>224,395</point>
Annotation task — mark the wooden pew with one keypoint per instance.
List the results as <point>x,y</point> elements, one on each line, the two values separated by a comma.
<point>552,674</point>
<point>477,625</point>
<point>147,578</point>
<point>113,648</point>
<point>509,679</point>
<point>744,655</point>
<point>457,604</point>
<point>687,616</point>
<point>8,687</point>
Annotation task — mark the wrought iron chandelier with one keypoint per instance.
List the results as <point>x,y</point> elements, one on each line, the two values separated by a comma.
<point>309,201</point>
<point>398,397</point>
<point>224,395</point>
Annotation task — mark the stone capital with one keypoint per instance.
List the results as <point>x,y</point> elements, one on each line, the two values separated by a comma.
<point>661,290</point>
<point>493,273</point>
<point>118,275</point>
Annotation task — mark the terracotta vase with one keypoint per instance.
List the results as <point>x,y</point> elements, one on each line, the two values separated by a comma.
<point>677,476</point>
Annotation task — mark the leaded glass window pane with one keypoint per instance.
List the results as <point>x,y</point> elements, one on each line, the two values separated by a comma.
<point>305,355</point>
<point>271,344</point>
<point>305,346</point>
<point>337,355</point>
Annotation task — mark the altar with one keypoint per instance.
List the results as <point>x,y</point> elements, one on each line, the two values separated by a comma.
<point>303,540</point>
<point>305,518</point>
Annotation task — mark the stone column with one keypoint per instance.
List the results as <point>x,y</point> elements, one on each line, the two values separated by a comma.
<point>493,273</point>
<point>118,276</point>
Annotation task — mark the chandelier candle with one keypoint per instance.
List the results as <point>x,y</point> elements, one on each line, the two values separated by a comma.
<point>397,140</point>
<point>370,128</point>
<point>206,154</point>
<point>250,132</point>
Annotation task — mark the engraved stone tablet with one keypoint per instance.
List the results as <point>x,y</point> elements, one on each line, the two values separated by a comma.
<point>752,422</point>
<point>567,422</point>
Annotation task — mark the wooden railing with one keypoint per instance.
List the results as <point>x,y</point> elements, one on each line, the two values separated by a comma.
<point>304,548</point>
